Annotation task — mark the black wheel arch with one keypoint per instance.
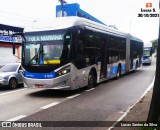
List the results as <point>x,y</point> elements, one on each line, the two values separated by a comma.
<point>118,71</point>
<point>119,67</point>
<point>95,73</point>
<point>137,63</point>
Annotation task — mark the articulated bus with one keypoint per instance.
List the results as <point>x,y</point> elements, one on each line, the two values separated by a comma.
<point>73,52</point>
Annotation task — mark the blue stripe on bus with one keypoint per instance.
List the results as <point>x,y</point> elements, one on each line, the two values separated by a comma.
<point>40,75</point>
<point>123,67</point>
<point>113,71</point>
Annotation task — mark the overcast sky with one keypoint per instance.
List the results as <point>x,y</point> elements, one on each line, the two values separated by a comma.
<point>121,13</point>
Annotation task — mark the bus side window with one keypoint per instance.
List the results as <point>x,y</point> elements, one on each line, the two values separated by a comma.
<point>79,58</point>
<point>64,58</point>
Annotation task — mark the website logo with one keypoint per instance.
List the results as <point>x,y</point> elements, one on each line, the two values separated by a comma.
<point>6,124</point>
<point>148,5</point>
<point>148,11</point>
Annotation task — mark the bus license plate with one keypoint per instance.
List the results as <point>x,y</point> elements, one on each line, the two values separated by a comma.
<point>39,85</point>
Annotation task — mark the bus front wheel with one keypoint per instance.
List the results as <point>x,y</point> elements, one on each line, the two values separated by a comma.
<point>91,80</point>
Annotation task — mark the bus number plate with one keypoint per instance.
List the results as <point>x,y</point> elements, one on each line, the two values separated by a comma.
<point>39,85</point>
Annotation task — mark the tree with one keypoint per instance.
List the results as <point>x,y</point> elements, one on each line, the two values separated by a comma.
<point>154,112</point>
<point>154,44</point>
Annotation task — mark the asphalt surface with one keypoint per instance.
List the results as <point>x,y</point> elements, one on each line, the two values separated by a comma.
<point>99,104</point>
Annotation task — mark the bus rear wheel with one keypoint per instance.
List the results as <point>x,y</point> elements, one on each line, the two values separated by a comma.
<point>136,67</point>
<point>91,80</point>
<point>118,75</point>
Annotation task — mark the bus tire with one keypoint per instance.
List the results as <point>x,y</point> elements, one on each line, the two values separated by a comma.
<point>91,80</point>
<point>136,66</point>
<point>118,74</point>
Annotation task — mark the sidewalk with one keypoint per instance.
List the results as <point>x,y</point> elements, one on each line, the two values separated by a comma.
<point>138,113</point>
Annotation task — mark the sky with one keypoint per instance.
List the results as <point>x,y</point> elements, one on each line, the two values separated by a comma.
<point>121,13</point>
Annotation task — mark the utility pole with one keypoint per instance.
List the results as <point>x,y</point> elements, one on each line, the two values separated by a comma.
<point>154,112</point>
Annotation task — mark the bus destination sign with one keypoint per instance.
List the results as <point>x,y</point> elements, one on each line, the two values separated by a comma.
<point>44,38</point>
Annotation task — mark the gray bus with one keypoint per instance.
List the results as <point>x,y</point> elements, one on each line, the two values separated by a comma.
<point>72,52</point>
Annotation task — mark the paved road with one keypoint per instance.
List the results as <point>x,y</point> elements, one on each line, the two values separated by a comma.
<point>106,101</point>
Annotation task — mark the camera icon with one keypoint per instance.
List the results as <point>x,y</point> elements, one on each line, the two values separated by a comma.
<point>6,124</point>
<point>148,5</point>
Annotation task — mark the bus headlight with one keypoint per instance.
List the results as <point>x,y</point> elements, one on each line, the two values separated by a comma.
<point>63,71</point>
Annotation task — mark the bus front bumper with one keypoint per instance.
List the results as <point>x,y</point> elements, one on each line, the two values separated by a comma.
<point>146,61</point>
<point>62,82</point>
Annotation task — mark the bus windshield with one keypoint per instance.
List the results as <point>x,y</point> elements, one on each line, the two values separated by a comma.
<point>46,53</point>
<point>146,52</point>
<point>46,50</point>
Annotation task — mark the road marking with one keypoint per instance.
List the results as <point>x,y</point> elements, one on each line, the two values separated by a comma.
<point>129,108</point>
<point>12,92</point>
<point>146,68</point>
<point>73,96</point>
<point>17,118</point>
<point>50,105</point>
<point>90,89</point>
<point>121,112</point>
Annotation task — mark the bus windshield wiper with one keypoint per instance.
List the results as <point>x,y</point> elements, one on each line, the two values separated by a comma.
<point>34,58</point>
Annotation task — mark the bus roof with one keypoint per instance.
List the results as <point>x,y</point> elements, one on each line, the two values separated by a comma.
<point>66,22</point>
<point>147,45</point>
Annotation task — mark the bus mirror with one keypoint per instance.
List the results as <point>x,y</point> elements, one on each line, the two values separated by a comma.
<point>18,37</point>
<point>14,48</point>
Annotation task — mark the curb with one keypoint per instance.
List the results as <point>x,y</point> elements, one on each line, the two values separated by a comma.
<point>128,110</point>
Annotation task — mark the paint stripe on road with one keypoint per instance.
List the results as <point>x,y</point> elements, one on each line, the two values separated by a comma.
<point>128,110</point>
<point>146,68</point>
<point>50,105</point>
<point>90,89</point>
<point>70,97</point>
<point>17,118</point>
<point>12,92</point>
